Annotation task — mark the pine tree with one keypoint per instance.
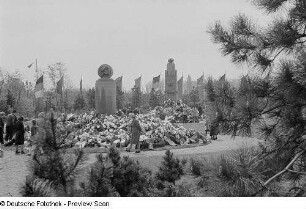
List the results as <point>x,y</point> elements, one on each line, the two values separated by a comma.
<point>53,168</point>
<point>119,98</point>
<point>91,98</point>
<point>10,100</point>
<point>153,99</point>
<point>136,97</point>
<point>210,90</point>
<point>277,98</point>
<point>170,170</point>
<point>194,96</point>
<point>79,102</point>
<point>112,175</point>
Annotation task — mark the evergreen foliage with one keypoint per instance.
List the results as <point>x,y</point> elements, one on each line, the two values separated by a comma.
<point>10,100</point>
<point>112,175</point>
<point>196,167</point>
<point>210,90</point>
<point>99,179</point>
<point>119,98</point>
<point>79,102</point>
<point>53,168</point>
<point>170,170</point>
<point>136,97</point>
<point>275,100</point>
<point>155,98</point>
<point>91,98</point>
<point>194,96</point>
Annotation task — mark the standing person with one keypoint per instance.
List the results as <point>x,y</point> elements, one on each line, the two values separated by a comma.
<point>34,131</point>
<point>34,128</point>
<point>200,110</point>
<point>2,114</point>
<point>10,126</point>
<point>136,130</point>
<point>214,128</point>
<point>19,136</point>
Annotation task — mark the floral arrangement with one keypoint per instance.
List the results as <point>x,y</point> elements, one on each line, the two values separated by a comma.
<point>175,113</point>
<point>88,130</point>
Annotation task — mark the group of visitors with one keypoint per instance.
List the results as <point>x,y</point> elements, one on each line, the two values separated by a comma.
<point>12,131</point>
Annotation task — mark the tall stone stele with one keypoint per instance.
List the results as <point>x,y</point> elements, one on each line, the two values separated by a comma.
<point>171,81</point>
<point>105,97</point>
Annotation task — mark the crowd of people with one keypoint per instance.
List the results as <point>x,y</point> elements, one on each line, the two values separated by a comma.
<point>12,131</point>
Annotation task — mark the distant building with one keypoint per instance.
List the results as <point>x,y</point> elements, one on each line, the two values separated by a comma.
<point>171,81</point>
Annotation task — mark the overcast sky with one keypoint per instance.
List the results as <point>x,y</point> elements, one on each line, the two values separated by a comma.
<point>135,37</point>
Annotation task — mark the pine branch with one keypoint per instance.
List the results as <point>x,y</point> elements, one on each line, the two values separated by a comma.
<point>271,109</point>
<point>298,172</point>
<point>285,169</point>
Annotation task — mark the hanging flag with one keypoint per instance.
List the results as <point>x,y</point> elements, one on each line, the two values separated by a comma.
<point>39,87</point>
<point>200,81</point>
<point>156,82</point>
<point>30,65</point>
<point>59,86</point>
<point>222,78</point>
<point>119,83</point>
<point>138,82</point>
<point>180,86</point>
<point>81,85</point>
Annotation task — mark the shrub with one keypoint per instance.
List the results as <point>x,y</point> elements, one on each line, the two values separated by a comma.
<point>196,167</point>
<point>99,181</point>
<point>52,168</point>
<point>240,173</point>
<point>170,169</point>
<point>130,179</point>
<point>115,176</point>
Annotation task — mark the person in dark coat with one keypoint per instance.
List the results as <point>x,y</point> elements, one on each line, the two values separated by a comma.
<point>200,109</point>
<point>19,136</point>
<point>214,128</point>
<point>136,131</point>
<point>10,126</point>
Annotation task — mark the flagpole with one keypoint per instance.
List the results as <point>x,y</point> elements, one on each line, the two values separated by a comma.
<point>81,86</point>
<point>38,99</point>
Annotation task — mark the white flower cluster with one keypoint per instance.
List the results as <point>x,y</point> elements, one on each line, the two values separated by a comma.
<point>87,130</point>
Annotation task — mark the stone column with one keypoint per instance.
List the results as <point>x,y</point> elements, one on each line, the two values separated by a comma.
<point>105,97</point>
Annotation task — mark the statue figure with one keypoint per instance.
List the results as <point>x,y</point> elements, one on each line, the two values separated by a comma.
<point>170,64</point>
<point>105,71</point>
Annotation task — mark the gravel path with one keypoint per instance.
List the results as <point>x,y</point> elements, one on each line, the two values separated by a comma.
<point>13,168</point>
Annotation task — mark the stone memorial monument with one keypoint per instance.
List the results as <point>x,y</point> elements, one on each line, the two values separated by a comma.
<point>105,97</point>
<point>171,81</point>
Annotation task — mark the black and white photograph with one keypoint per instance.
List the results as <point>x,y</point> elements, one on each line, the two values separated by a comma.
<point>152,98</point>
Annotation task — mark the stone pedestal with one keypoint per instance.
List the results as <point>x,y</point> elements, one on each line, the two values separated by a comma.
<point>105,96</point>
<point>171,81</point>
